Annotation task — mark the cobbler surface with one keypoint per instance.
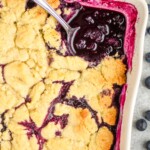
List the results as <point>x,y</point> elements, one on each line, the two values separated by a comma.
<point>50,100</point>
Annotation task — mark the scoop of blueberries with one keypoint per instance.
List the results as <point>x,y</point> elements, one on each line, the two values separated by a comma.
<point>141,125</point>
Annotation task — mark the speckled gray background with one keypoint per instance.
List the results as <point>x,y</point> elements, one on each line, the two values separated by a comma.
<point>142,102</point>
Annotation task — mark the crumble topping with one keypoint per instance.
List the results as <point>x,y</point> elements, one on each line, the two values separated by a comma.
<point>48,98</point>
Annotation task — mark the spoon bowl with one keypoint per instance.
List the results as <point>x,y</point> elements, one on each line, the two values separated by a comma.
<point>70,40</point>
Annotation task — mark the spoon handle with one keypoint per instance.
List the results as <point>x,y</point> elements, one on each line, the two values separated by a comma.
<point>51,11</point>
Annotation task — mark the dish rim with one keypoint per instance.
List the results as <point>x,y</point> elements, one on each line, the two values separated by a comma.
<point>134,76</point>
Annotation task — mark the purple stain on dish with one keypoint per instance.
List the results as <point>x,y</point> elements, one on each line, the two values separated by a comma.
<point>122,99</point>
<point>30,4</point>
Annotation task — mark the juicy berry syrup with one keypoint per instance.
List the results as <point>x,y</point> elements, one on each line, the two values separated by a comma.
<point>50,116</point>
<point>58,133</point>
<point>34,130</point>
<point>82,103</point>
<point>101,33</point>
<point>30,4</point>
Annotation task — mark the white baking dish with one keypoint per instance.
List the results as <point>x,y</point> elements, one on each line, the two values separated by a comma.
<point>134,75</point>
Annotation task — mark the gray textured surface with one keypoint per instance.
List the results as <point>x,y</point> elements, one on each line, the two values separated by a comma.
<point>142,102</point>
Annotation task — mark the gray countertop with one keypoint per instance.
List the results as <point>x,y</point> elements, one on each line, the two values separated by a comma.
<point>142,102</point>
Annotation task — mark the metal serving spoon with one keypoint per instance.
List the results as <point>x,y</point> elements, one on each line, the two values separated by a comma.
<point>71,32</point>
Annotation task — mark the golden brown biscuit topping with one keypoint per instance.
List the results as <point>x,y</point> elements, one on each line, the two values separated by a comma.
<point>49,99</point>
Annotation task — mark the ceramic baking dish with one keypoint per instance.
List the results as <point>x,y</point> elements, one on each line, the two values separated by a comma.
<point>133,77</point>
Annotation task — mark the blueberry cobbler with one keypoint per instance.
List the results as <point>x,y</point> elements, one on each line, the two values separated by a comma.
<point>51,99</point>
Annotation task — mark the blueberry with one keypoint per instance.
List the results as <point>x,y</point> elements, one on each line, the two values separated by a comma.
<point>97,35</point>
<point>147,115</point>
<point>92,46</point>
<point>100,38</point>
<point>141,124</point>
<point>88,33</point>
<point>58,133</point>
<point>96,14</point>
<point>77,5</point>
<point>149,8</point>
<point>81,44</point>
<point>109,50</point>
<point>148,30</point>
<point>147,145</point>
<point>89,19</point>
<point>119,35</point>
<point>30,4</point>
<point>109,21</point>
<point>121,21</point>
<point>104,29</point>
<point>147,82</point>
<point>147,57</point>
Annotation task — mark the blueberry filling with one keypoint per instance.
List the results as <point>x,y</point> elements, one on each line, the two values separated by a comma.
<point>63,119</point>
<point>116,96</point>
<point>30,4</point>
<point>27,100</point>
<point>2,122</point>
<point>82,103</point>
<point>32,129</point>
<point>58,133</point>
<point>101,33</point>
<point>50,116</point>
